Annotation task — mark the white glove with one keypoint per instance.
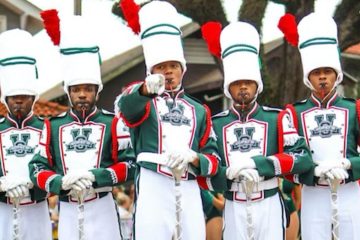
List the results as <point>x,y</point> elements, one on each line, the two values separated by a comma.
<point>320,171</point>
<point>233,171</point>
<point>180,158</point>
<point>19,191</point>
<point>343,163</point>
<point>81,185</point>
<point>337,173</point>
<point>249,175</point>
<point>10,182</point>
<point>15,187</point>
<point>72,177</point>
<point>155,84</point>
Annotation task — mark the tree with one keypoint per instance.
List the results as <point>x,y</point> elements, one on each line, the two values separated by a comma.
<point>289,86</point>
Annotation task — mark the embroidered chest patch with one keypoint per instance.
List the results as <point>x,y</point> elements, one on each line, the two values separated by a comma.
<point>325,126</point>
<point>81,145</point>
<point>244,142</point>
<point>175,116</point>
<point>81,142</point>
<point>20,147</point>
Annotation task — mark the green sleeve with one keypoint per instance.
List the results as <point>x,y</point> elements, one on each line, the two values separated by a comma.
<point>354,172</point>
<point>44,176</point>
<point>208,149</point>
<point>120,172</point>
<point>301,164</point>
<point>219,182</point>
<point>133,105</point>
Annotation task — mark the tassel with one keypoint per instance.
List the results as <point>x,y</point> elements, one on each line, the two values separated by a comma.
<point>287,24</point>
<point>291,139</point>
<point>131,13</point>
<point>211,34</point>
<point>52,25</point>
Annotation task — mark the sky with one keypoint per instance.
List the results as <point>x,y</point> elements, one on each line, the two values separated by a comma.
<point>116,37</point>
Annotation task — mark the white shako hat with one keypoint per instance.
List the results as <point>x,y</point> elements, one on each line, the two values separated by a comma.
<point>160,34</point>
<point>318,45</point>
<point>18,70</point>
<point>78,45</point>
<point>240,45</point>
<point>79,53</point>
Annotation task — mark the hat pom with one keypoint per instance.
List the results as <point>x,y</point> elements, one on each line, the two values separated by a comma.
<point>211,33</point>
<point>131,13</point>
<point>52,25</point>
<point>287,24</point>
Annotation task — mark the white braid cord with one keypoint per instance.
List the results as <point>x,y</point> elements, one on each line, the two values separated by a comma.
<point>248,187</point>
<point>178,231</point>
<point>334,184</point>
<point>16,220</point>
<point>81,212</point>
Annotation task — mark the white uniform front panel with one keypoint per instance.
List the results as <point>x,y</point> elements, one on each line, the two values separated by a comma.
<point>155,210</point>
<point>316,212</point>
<point>18,148</point>
<point>244,140</point>
<point>177,124</point>
<point>81,146</point>
<point>324,128</point>
<point>100,220</point>
<point>268,225</point>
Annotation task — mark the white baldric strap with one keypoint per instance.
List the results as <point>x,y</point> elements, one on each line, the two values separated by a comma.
<point>263,185</point>
<point>152,157</point>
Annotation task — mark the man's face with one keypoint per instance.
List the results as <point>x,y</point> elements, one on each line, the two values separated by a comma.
<point>172,72</point>
<point>20,105</point>
<point>323,80</point>
<point>83,97</point>
<point>243,91</point>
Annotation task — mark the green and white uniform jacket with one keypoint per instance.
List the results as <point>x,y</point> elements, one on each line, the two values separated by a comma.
<point>18,146</point>
<point>69,144</point>
<point>331,132</point>
<point>162,123</point>
<point>268,137</point>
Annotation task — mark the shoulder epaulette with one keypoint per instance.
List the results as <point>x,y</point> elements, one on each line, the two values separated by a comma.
<point>269,109</point>
<point>193,98</point>
<point>106,112</point>
<point>63,114</point>
<point>349,99</point>
<point>41,118</point>
<point>221,114</point>
<point>300,102</point>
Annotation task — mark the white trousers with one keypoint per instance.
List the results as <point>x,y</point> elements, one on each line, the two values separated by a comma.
<point>269,219</point>
<point>155,208</point>
<point>34,221</point>
<point>316,212</point>
<point>101,221</point>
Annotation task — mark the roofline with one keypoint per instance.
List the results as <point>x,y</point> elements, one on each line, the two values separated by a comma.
<point>118,64</point>
<point>350,56</point>
<point>352,78</point>
<point>124,61</point>
<point>20,5</point>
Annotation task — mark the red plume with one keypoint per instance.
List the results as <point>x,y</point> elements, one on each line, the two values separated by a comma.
<point>287,24</point>
<point>211,33</point>
<point>131,13</point>
<point>52,24</point>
